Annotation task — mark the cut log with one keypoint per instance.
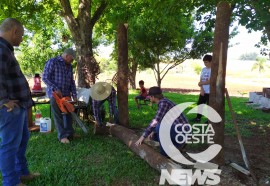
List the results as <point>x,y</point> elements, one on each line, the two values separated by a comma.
<point>104,130</point>
<point>152,157</point>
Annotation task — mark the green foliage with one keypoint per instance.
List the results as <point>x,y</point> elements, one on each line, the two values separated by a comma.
<point>36,50</point>
<point>108,65</point>
<point>249,56</point>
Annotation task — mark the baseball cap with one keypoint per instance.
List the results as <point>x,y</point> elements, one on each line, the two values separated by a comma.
<point>154,91</point>
<point>71,52</point>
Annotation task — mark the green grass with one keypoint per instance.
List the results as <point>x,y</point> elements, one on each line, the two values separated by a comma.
<point>103,160</point>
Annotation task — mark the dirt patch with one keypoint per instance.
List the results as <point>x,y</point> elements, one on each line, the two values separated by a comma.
<point>257,148</point>
<point>258,152</point>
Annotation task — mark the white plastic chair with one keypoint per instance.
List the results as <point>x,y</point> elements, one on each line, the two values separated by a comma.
<point>83,95</point>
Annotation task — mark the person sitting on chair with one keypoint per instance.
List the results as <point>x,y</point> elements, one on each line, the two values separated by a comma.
<point>142,95</point>
<point>101,92</point>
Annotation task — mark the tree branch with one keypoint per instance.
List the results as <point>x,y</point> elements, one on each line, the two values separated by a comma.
<point>84,9</point>
<point>68,14</point>
<point>98,12</point>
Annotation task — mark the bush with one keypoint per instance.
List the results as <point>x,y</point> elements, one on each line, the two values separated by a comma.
<point>249,56</point>
<point>197,68</point>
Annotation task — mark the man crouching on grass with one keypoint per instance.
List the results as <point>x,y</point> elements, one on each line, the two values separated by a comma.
<point>164,105</point>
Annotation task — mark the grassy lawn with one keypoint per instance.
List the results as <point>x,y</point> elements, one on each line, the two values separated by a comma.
<point>105,160</point>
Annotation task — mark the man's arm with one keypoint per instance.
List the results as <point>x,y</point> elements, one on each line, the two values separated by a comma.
<point>152,125</point>
<point>48,73</point>
<point>3,76</point>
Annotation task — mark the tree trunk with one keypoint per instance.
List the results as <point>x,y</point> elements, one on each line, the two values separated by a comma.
<point>122,80</point>
<point>132,73</point>
<point>158,74</point>
<point>218,73</point>
<point>81,29</point>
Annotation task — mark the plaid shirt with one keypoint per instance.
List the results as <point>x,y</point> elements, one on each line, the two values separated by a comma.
<point>112,101</point>
<point>59,76</point>
<point>13,84</point>
<point>164,105</point>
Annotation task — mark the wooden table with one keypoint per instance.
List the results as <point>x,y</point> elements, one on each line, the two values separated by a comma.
<point>31,125</point>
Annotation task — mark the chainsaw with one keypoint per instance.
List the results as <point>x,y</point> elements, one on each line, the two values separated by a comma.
<point>66,107</point>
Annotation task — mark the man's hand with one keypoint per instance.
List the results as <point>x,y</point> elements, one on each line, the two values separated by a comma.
<point>139,142</point>
<point>96,124</point>
<point>59,93</point>
<point>11,104</point>
<point>202,92</point>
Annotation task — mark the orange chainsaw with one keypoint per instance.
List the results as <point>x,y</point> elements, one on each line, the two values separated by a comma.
<point>66,107</point>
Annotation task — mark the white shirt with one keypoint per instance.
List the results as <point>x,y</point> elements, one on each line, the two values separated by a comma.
<point>205,76</point>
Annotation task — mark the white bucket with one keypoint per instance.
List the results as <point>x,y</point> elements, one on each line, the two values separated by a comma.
<point>45,125</point>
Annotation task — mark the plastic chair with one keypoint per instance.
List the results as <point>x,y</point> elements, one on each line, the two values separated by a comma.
<point>83,95</point>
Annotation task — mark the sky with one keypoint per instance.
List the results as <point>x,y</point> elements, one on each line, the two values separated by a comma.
<point>246,43</point>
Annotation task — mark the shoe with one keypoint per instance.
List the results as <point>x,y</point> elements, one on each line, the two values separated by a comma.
<point>29,177</point>
<point>64,140</point>
<point>196,120</point>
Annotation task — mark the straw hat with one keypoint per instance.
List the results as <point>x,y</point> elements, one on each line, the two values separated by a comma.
<point>101,91</point>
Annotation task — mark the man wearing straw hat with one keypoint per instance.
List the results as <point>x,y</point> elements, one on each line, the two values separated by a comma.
<point>101,92</point>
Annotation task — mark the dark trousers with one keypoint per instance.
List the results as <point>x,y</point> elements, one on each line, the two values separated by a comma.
<point>202,100</point>
<point>173,135</point>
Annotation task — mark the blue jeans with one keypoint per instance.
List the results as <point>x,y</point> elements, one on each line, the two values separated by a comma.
<point>63,122</point>
<point>114,112</point>
<point>14,137</point>
<point>173,134</point>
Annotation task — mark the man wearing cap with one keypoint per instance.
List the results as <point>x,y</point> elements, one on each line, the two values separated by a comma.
<point>101,92</point>
<point>58,76</point>
<point>164,105</point>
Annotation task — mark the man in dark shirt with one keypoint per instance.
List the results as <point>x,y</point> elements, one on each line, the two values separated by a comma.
<point>15,100</point>
<point>164,105</point>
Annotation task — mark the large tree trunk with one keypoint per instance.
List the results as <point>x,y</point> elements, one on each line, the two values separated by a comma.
<point>81,29</point>
<point>122,80</point>
<point>218,74</point>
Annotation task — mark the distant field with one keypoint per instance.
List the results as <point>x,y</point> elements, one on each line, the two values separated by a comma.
<point>240,80</point>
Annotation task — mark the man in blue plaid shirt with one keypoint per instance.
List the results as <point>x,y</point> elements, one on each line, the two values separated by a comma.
<point>164,105</point>
<point>58,76</point>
